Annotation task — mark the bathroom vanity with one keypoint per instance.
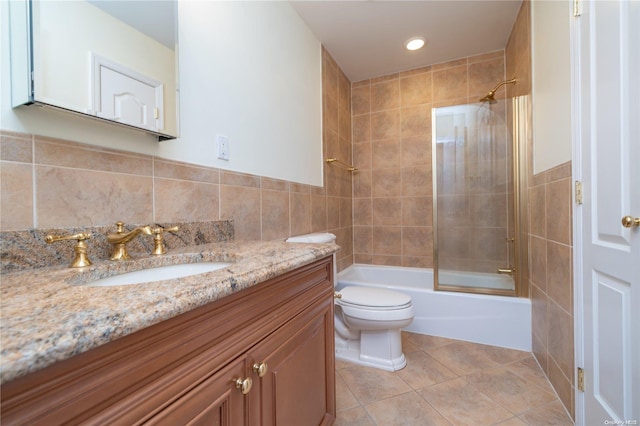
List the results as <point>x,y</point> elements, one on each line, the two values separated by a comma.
<point>261,355</point>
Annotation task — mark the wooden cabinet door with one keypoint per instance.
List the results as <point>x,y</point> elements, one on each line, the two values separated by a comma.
<point>215,402</point>
<point>299,386</point>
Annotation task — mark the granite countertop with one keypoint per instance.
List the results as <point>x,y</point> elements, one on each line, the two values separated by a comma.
<point>47,315</point>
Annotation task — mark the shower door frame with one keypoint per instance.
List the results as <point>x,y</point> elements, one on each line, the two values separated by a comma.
<point>520,116</point>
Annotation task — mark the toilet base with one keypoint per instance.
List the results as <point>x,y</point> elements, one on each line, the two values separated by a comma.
<point>378,349</point>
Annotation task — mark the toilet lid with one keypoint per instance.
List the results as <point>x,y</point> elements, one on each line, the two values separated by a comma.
<point>374,297</point>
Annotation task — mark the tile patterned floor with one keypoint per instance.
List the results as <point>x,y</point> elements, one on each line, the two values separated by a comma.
<point>449,382</point>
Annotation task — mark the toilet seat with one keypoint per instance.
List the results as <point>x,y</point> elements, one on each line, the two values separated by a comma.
<point>375,304</point>
<point>373,298</point>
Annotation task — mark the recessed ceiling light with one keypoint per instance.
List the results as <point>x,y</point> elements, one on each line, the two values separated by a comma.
<point>414,43</point>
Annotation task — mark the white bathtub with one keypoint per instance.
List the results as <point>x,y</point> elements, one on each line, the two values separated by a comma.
<point>492,320</point>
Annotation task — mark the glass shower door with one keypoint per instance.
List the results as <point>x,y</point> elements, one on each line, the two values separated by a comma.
<point>474,205</point>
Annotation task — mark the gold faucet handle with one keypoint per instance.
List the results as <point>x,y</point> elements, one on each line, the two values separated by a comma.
<point>81,259</point>
<point>158,236</point>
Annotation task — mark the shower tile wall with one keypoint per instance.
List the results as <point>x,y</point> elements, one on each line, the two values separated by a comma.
<point>392,192</point>
<point>53,183</point>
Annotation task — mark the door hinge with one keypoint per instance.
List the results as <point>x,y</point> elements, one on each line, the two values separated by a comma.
<point>578,192</point>
<point>580,379</point>
<point>576,8</point>
<point>156,113</point>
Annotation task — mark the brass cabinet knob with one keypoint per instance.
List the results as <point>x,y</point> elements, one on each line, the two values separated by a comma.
<point>244,385</point>
<point>261,369</point>
<point>630,222</point>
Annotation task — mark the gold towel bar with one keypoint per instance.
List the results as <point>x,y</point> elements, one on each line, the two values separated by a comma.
<point>335,160</point>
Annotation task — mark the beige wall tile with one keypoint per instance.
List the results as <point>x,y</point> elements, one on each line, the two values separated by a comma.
<point>537,209</point>
<point>415,89</point>
<point>415,121</point>
<point>16,147</point>
<point>300,213</point>
<point>559,282</point>
<point>318,213</point>
<point>183,171</point>
<point>363,239</point>
<point>72,198</point>
<point>538,263</point>
<point>485,75</point>
<point>387,240</point>
<point>275,214</point>
<point>385,95</point>
<point>16,187</point>
<point>387,211</point>
<point>450,83</point>
<point>385,182</point>
<point>242,204</point>
<point>239,179</point>
<point>416,150</point>
<point>416,181</point>
<point>385,154</point>
<point>184,201</point>
<point>361,128</point>
<point>563,386</point>
<point>362,155</point>
<point>417,241</point>
<point>385,125</point>
<point>558,211</point>
<point>560,336</point>
<point>61,153</point>
<point>417,211</point>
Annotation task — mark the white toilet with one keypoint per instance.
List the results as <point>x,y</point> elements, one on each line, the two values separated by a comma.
<point>367,320</point>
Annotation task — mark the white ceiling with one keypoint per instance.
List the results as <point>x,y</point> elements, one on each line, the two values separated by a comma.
<point>366,37</point>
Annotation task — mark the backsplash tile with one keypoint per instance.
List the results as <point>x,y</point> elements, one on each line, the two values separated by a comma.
<point>27,249</point>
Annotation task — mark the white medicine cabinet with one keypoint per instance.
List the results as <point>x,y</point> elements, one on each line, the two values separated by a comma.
<point>102,59</point>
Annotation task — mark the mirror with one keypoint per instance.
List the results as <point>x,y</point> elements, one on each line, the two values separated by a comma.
<point>112,60</point>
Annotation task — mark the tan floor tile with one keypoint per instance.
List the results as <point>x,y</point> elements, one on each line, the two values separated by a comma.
<point>509,390</point>
<point>462,404</point>
<point>422,370</point>
<point>426,342</point>
<point>340,364</point>
<point>344,398</point>
<point>502,355</point>
<point>552,414</point>
<point>529,370</point>
<point>462,357</point>
<point>354,417</point>
<point>514,421</point>
<point>406,409</point>
<point>407,345</point>
<point>372,384</point>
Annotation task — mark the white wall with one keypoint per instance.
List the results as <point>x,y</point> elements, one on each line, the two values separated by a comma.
<point>551,85</point>
<point>248,70</point>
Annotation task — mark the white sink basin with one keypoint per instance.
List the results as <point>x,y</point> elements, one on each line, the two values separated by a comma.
<point>158,274</point>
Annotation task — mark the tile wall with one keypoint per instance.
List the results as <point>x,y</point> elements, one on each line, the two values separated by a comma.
<point>550,240</point>
<point>52,183</point>
<point>392,147</point>
<point>551,279</point>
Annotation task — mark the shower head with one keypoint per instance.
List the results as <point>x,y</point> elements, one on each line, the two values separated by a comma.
<point>490,97</point>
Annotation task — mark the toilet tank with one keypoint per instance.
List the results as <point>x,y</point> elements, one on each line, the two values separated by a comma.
<point>320,237</point>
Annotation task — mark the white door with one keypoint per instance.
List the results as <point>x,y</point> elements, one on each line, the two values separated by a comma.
<point>607,100</point>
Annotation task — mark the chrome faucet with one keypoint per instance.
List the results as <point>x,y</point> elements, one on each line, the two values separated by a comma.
<point>121,238</point>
